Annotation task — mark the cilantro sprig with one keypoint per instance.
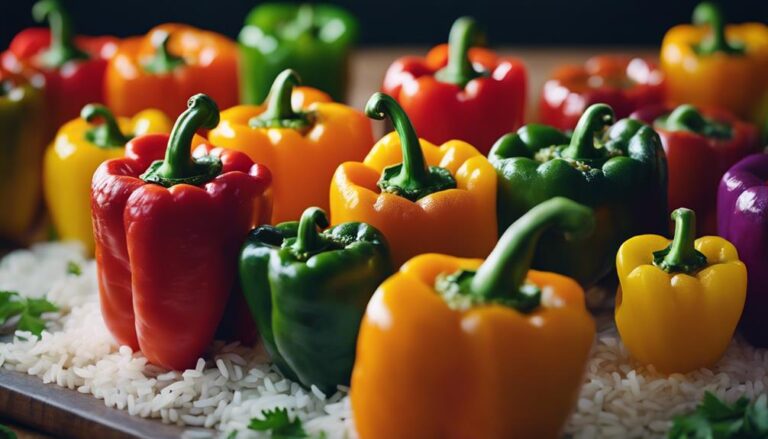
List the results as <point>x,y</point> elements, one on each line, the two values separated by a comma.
<point>279,425</point>
<point>29,310</point>
<point>715,419</point>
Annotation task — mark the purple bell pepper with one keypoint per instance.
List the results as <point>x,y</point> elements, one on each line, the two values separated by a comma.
<point>742,218</point>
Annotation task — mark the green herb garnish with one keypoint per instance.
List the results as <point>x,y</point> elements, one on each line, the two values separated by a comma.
<point>715,419</point>
<point>280,425</point>
<point>30,310</point>
<point>74,268</point>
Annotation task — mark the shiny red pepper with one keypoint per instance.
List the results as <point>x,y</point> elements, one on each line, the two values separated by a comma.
<point>700,145</point>
<point>624,83</point>
<point>458,92</point>
<point>168,233</point>
<point>73,67</point>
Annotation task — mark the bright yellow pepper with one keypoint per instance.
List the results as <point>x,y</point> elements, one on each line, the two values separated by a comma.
<point>70,161</point>
<point>424,198</point>
<point>301,148</point>
<point>679,303</point>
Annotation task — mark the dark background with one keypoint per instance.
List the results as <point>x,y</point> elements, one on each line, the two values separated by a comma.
<point>410,22</point>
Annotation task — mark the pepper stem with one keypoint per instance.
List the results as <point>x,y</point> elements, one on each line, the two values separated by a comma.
<point>412,178</point>
<point>163,61</point>
<point>108,133</point>
<point>308,239</point>
<point>709,14</point>
<point>593,121</point>
<point>179,166</point>
<point>681,256</point>
<point>280,112</point>
<point>505,269</point>
<point>459,69</point>
<point>62,48</point>
<point>687,118</point>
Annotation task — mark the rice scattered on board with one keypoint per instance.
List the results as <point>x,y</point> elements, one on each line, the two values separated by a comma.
<point>234,383</point>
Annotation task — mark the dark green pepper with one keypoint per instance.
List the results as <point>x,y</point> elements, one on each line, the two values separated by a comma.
<point>619,170</point>
<point>307,291</point>
<point>314,40</point>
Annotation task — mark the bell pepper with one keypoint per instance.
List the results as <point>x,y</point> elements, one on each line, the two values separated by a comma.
<point>315,40</point>
<point>73,67</point>
<point>168,233</point>
<point>465,348</point>
<point>700,147</point>
<point>679,301</point>
<point>167,65</point>
<point>709,64</point>
<point>418,194</point>
<point>22,114</point>
<point>308,291</point>
<point>79,148</point>
<point>460,92</point>
<point>302,146</point>
<point>626,84</point>
<point>742,218</point>
<point>617,169</point>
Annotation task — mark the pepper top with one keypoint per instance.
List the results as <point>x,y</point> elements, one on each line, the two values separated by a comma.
<point>681,256</point>
<point>279,112</point>
<point>709,14</point>
<point>459,69</point>
<point>62,48</point>
<point>687,118</point>
<point>163,61</point>
<point>108,133</point>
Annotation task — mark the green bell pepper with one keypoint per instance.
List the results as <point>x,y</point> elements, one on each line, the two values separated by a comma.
<point>314,40</point>
<point>619,170</point>
<point>307,291</point>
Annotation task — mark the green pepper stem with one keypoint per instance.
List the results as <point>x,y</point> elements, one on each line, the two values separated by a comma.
<point>505,269</point>
<point>414,173</point>
<point>709,14</point>
<point>307,238</point>
<point>681,256</point>
<point>687,118</point>
<point>279,101</point>
<point>106,134</point>
<point>459,69</point>
<point>62,48</point>
<point>201,112</point>
<point>163,61</point>
<point>593,121</point>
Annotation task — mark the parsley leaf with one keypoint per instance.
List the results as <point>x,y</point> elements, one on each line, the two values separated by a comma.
<point>74,268</point>
<point>715,419</point>
<point>280,426</point>
<point>29,310</point>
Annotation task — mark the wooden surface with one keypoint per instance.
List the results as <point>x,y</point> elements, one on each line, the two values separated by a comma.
<point>50,410</point>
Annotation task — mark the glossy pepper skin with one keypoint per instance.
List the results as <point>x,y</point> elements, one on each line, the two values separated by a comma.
<point>742,218</point>
<point>418,194</point>
<point>700,146</point>
<point>458,92</point>
<point>624,83</point>
<point>461,348</point>
<point>618,169</point>
<point>301,136</point>
<point>679,302</point>
<point>22,122</point>
<point>308,291</point>
<point>167,65</point>
<point>73,66</point>
<point>168,233</point>
<point>79,148</point>
<point>313,39</point>
<point>698,59</point>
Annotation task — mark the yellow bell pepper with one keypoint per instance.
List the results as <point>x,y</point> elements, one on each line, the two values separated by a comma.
<point>424,198</point>
<point>78,149</point>
<point>679,303</point>
<point>465,348</point>
<point>301,148</point>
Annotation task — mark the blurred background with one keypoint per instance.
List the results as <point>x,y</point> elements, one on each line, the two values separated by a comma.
<point>411,22</point>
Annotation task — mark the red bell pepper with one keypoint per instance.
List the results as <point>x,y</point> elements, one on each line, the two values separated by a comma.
<point>458,92</point>
<point>73,67</point>
<point>626,84</point>
<point>700,147</point>
<point>168,233</point>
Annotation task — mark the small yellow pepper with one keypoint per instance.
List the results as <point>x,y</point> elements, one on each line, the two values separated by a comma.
<point>679,303</point>
<point>70,161</point>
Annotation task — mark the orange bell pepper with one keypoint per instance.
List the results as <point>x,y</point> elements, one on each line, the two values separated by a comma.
<point>419,208</point>
<point>301,148</point>
<point>713,65</point>
<point>166,66</point>
<point>455,348</point>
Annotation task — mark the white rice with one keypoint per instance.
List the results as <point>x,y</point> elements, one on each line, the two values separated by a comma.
<point>234,383</point>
